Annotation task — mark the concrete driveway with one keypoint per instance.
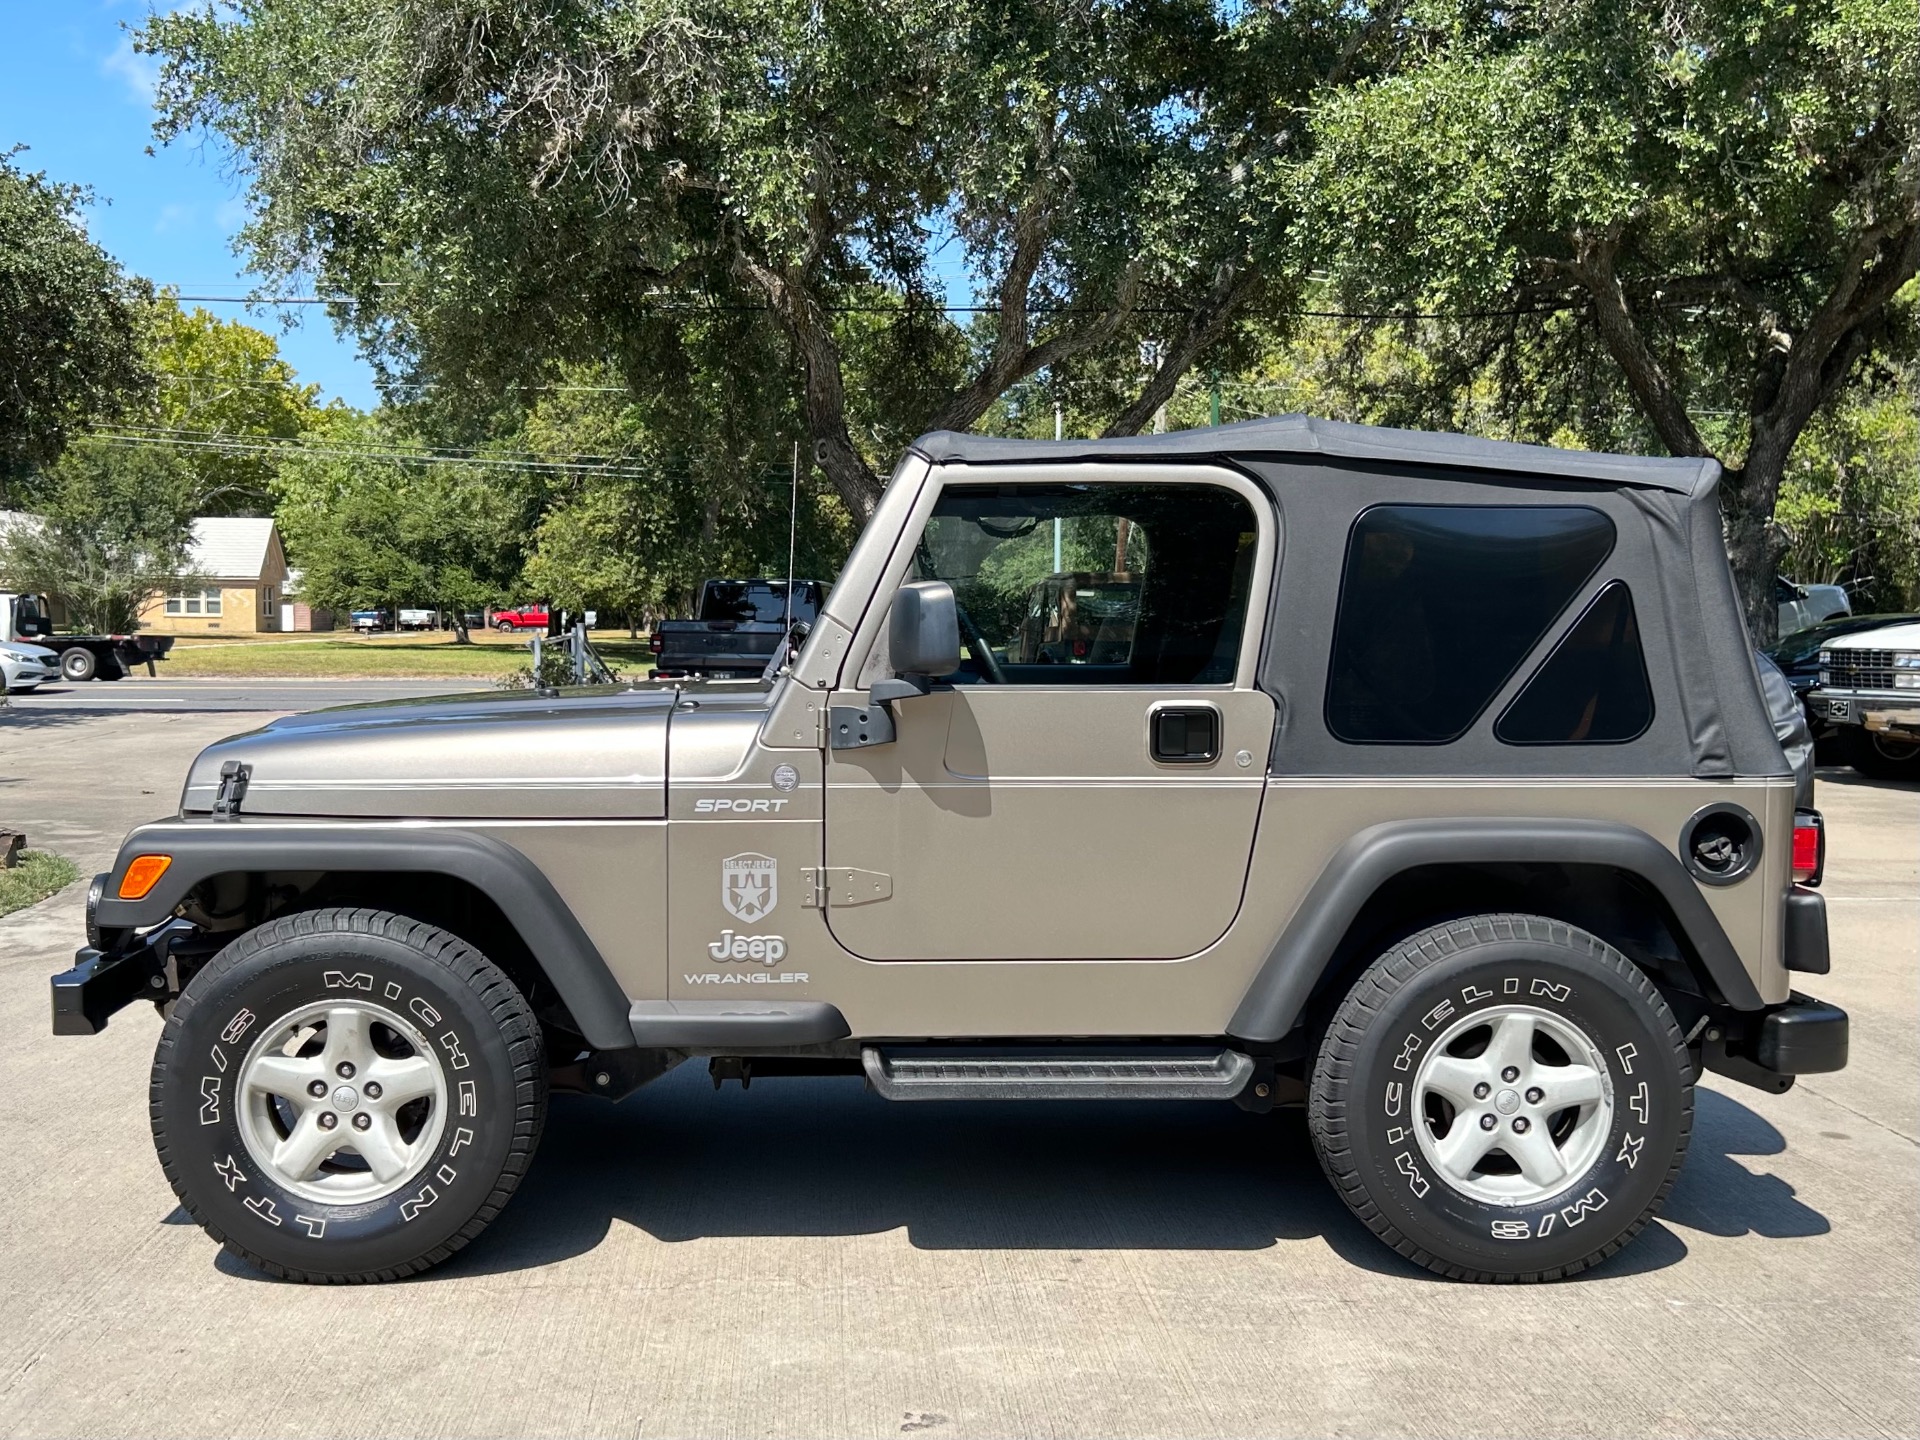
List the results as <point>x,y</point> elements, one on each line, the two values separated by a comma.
<point>805,1259</point>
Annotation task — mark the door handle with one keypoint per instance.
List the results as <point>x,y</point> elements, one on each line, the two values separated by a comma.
<point>1184,734</point>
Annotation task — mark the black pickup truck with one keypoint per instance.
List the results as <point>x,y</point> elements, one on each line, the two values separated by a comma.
<point>737,628</point>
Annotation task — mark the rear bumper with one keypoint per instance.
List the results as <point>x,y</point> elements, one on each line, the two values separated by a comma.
<point>1803,1037</point>
<point>1769,1048</point>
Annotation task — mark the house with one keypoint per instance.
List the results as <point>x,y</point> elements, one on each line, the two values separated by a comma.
<point>241,572</point>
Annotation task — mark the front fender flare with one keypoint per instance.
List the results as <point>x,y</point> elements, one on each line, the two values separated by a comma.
<point>200,850</point>
<point>1279,992</point>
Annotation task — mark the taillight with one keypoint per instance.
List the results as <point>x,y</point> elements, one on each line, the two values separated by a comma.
<point>656,644</point>
<point>1809,847</point>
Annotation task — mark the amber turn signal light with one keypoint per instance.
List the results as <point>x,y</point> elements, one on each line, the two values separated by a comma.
<point>142,875</point>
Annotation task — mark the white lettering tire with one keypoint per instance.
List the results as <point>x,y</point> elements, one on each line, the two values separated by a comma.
<point>347,1095</point>
<point>1503,1098</point>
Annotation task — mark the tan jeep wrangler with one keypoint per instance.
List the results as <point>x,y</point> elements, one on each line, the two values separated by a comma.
<point>1430,784</point>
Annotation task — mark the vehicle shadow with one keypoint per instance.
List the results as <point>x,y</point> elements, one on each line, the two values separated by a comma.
<point>822,1157</point>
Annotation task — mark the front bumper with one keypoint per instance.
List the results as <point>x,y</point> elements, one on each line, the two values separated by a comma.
<point>1891,712</point>
<point>103,982</point>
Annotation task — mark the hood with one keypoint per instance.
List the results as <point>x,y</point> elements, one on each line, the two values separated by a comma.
<point>1887,637</point>
<point>592,753</point>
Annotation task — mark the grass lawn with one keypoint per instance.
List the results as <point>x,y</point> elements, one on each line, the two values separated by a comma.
<point>341,655</point>
<point>37,876</point>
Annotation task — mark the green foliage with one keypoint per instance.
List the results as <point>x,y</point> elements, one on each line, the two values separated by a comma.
<point>37,876</point>
<point>223,381</point>
<point>1851,502</point>
<point>369,526</point>
<point>637,543</point>
<point>114,525</point>
<point>1705,206</point>
<point>70,340</point>
<point>745,199</point>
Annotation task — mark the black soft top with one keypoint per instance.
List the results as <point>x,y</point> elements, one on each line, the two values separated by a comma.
<point>1297,434</point>
<point>1713,721</point>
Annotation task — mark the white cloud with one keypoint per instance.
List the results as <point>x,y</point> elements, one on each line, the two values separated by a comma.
<point>231,215</point>
<point>140,73</point>
<point>174,216</point>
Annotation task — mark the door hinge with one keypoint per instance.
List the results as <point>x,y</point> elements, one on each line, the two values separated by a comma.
<point>841,885</point>
<point>854,727</point>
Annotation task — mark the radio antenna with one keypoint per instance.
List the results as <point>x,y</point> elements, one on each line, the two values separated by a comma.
<point>793,530</point>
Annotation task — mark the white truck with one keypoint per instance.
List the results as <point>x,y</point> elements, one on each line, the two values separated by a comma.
<point>28,618</point>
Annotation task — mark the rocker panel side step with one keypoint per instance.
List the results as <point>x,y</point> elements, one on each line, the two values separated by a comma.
<point>902,1075</point>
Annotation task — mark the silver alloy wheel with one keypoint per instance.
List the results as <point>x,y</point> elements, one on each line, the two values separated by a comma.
<point>342,1103</point>
<point>1512,1104</point>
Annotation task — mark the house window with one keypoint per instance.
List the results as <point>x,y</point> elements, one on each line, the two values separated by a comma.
<point>266,600</point>
<point>194,602</point>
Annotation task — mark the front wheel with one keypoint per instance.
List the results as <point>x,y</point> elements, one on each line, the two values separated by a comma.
<point>347,1095</point>
<point>1503,1098</point>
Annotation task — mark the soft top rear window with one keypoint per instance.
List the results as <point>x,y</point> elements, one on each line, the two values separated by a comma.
<point>1439,605</point>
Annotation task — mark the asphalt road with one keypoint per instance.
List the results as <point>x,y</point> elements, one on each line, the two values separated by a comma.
<point>137,693</point>
<point>805,1259</point>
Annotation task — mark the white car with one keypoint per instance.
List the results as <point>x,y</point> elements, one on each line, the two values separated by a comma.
<point>26,667</point>
<point>1869,688</point>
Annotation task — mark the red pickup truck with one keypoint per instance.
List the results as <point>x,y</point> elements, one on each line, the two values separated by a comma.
<point>529,617</point>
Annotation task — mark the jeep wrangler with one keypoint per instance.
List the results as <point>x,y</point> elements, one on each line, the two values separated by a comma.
<point>1424,782</point>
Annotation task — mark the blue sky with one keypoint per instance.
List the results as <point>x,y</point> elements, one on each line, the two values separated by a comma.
<point>73,91</point>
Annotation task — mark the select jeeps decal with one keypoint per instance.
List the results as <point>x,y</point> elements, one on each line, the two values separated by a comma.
<point>723,805</point>
<point>750,886</point>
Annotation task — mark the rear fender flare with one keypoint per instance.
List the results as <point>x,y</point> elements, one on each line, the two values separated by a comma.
<point>1278,995</point>
<point>559,945</point>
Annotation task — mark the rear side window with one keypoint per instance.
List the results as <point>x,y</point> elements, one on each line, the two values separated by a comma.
<point>1592,690</point>
<point>1439,604</point>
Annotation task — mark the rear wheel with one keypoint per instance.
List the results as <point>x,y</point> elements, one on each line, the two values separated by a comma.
<point>77,665</point>
<point>505,627</point>
<point>1503,1098</point>
<point>347,1095</point>
<point>1883,757</point>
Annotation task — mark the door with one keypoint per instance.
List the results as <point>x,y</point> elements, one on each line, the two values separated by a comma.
<point>1087,785</point>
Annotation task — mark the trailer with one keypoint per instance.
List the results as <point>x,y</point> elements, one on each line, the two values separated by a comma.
<point>26,618</point>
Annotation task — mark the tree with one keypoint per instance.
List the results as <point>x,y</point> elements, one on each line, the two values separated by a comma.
<point>114,526</point>
<point>70,339</point>
<point>373,522</point>
<point>222,390</point>
<point>1850,502</point>
<point>1708,204</point>
<point>500,187</point>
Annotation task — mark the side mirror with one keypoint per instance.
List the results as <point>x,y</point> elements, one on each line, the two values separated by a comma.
<point>923,636</point>
<point>923,643</point>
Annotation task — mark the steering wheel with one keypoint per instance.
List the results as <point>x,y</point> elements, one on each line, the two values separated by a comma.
<point>983,655</point>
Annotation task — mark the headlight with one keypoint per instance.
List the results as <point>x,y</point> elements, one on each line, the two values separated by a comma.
<point>1906,659</point>
<point>94,891</point>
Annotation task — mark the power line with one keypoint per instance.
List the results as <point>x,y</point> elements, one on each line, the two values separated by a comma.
<point>699,307</point>
<point>609,467</point>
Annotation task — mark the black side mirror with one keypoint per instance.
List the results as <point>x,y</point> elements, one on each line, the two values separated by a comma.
<point>923,636</point>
